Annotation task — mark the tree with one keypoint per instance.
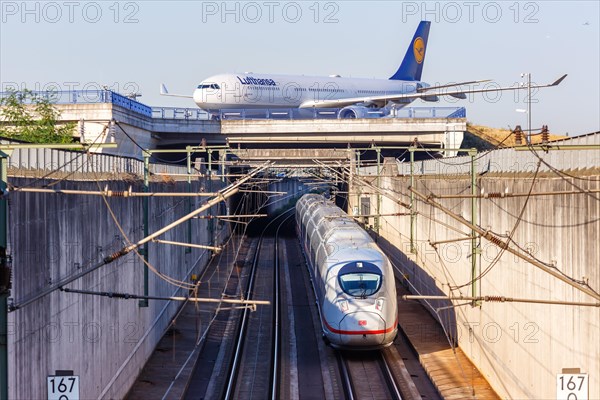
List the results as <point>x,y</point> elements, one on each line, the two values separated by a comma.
<point>30,117</point>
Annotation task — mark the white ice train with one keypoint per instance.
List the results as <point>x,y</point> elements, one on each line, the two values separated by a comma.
<point>353,279</point>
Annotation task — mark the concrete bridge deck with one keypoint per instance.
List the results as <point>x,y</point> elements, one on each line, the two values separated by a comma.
<point>152,133</point>
<point>105,116</point>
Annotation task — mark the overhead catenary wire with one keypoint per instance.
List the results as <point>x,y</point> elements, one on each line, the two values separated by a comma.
<point>510,235</point>
<point>223,194</point>
<point>501,299</point>
<point>113,193</point>
<point>505,245</point>
<point>393,198</point>
<point>193,299</point>
<point>591,292</point>
<point>539,264</point>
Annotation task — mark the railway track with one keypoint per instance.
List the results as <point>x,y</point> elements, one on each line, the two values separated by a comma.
<point>254,371</point>
<point>276,352</point>
<point>367,375</point>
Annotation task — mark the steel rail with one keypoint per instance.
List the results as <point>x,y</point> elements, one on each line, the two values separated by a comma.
<point>276,315</point>
<point>242,329</point>
<point>389,377</point>
<point>234,369</point>
<point>345,375</point>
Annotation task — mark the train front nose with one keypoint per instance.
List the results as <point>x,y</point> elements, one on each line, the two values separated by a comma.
<point>362,328</point>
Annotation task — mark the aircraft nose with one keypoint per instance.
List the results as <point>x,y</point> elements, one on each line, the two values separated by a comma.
<point>198,98</point>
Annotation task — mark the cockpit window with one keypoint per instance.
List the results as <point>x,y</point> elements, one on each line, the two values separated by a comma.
<point>209,86</point>
<point>360,279</point>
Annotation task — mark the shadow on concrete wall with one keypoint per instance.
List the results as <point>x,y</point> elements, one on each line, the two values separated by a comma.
<point>415,280</point>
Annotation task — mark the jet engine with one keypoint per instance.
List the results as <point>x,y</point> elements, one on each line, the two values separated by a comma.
<point>352,112</point>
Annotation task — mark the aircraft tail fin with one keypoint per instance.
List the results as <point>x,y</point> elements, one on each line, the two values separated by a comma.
<point>412,65</point>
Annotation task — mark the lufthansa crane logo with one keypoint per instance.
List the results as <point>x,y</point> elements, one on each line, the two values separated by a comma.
<point>419,49</point>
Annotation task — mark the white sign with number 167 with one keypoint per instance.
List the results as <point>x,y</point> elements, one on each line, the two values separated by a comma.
<point>63,387</point>
<point>572,386</point>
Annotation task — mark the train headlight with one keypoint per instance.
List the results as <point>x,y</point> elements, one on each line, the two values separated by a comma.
<point>379,305</point>
<point>343,305</point>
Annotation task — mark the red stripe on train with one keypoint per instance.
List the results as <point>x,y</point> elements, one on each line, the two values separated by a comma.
<point>375,332</point>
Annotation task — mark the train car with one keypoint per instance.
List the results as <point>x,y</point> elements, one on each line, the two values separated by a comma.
<point>353,279</point>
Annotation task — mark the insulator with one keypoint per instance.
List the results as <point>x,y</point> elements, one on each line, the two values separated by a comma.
<point>545,134</point>
<point>113,256</point>
<point>112,131</point>
<point>495,194</point>
<point>497,241</point>
<point>495,298</point>
<point>81,129</point>
<point>518,135</point>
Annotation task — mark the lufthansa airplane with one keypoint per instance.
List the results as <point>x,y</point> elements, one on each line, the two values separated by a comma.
<point>354,96</point>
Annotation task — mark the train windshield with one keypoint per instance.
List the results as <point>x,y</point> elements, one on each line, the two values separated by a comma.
<point>360,279</point>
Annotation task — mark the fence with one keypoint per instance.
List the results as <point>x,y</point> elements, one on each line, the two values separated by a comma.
<point>86,97</point>
<point>333,113</point>
<point>512,161</point>
<point>108,96</point>
<point>69,162</point>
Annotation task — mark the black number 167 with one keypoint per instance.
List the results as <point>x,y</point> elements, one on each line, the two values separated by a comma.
<point>62,386</point>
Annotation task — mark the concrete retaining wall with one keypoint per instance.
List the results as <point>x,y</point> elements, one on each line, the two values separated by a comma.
<point>105,341</point>
<point>519,347</point>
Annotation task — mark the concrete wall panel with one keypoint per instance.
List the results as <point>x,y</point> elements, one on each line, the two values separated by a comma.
<point>105,341</point>
<point>519,347</point>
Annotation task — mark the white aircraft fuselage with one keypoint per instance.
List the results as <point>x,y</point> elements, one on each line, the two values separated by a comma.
<point>248,90</point>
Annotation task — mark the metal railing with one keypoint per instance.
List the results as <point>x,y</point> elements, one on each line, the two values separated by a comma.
<point>108,96</point>
<point>87,97</point>
<point>73,162</point>
<point>179,113</point>
<point>512,160</point>
<point>333,113</point>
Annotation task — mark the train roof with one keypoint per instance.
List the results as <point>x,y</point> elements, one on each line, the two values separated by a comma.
<point>328,216</point>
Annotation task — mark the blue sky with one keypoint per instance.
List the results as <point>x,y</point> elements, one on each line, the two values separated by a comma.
<point>136,45</point>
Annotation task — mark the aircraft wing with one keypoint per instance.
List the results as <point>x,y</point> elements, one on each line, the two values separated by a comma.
<point>426,92</point>
<point>165,92</point>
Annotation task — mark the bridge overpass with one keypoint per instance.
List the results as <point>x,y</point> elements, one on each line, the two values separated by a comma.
<point>105,116</point>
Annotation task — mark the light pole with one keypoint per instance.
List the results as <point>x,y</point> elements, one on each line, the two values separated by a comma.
<point>528,75</point>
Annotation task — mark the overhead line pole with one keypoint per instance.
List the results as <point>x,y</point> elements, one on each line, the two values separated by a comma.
<point>146,221</point>
<point>474,238</point>
<point>5,278</point>
<point>413,214</point>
